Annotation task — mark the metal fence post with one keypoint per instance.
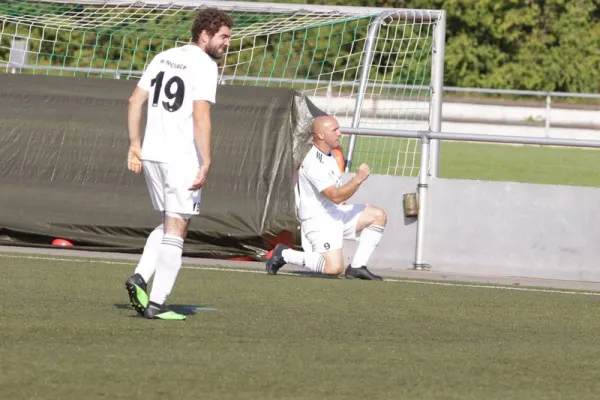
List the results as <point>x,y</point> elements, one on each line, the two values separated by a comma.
<point>422,202</point>
<point>548,108</point>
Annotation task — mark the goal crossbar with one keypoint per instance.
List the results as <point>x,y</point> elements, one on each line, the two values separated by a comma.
<point>425,14</point>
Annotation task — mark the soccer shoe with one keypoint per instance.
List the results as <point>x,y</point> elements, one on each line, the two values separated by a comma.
<point>361,273</point>
<point>276,261</point>
<point>158,311</point>
<point>138,293</point>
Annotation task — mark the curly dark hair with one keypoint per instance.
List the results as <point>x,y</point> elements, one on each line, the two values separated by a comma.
<point>210,20</point>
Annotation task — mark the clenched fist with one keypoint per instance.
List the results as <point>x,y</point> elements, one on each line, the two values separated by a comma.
<point>363,173</point>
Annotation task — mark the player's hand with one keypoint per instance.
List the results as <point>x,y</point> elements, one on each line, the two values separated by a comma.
<point>363,173</point>
<point>134,159</point>
<point>201,178</point>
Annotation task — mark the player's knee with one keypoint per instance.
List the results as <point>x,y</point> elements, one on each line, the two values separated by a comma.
<point>379,216</point>
<point>176,224</point>
<point>333,268</point>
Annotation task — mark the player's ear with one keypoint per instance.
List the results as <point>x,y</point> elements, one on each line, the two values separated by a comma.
<point>204,37</point>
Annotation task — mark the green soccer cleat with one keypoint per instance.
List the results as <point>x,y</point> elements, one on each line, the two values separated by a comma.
<point>137,291</point>
<point>158,311</point>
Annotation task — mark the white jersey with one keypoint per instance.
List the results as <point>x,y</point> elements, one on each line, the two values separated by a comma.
<point>317,172</point>
<point>174,79</point>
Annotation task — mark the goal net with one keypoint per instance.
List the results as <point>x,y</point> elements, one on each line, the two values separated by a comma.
<point>321,51</point>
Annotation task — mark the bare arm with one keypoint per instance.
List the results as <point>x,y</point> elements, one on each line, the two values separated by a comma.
<point>341,194</point>
<point>134,115</point>
<point>202,131</point>
<point>134,122</point>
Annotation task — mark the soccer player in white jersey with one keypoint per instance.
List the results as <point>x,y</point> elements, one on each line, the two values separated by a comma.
<point>325,218</point>
<point>180,85</point>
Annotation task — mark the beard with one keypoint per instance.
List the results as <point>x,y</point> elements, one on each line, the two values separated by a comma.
<point>214,51</point>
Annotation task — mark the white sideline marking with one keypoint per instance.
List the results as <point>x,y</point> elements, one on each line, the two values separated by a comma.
<point>230,269</point>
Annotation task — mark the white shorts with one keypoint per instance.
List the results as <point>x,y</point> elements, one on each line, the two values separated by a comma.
<point>328,231</point>
<point>169,184</point>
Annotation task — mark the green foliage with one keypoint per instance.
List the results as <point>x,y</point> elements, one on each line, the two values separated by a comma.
<point>519,44</point>
<point>549,45</point>
<point>514,44</point>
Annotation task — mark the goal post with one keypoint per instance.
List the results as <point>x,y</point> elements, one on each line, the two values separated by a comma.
<point>368,67</point>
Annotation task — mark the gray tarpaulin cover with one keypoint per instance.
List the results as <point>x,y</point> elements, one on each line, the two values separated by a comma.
<point>63,144</point>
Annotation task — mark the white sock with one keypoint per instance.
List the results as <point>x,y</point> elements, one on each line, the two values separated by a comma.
<point>147,264</point>
<point>369,239</point>
<point>311,261</point>
<point>167,267</point>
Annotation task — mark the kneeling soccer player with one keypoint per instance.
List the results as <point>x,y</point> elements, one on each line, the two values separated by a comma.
<point>326,221</point>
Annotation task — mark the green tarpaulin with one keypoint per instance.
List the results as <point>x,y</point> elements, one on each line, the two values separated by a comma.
<point>63,145</point>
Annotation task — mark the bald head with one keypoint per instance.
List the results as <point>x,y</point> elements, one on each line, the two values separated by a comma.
<point>321,123</point>
<point>326,133</point>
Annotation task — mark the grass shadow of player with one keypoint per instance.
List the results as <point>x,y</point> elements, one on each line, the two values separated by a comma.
<point>185,309</point>
<point>308,274</point>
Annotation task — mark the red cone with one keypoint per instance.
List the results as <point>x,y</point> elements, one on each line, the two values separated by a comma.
<point>61,242</point>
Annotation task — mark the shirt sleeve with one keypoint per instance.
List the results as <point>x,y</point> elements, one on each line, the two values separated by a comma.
<point>204,81</point>
<point>145,81</point>
<point>319,177</point>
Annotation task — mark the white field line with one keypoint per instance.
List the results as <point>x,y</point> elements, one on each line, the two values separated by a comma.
<point>250,271</point>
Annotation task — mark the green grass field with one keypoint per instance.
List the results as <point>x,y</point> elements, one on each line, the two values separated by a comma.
<point>531,164</point>
<point>67,333</point>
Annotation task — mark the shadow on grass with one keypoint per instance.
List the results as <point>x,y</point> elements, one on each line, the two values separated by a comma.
<point>185,309</point>
<point>308,274</point>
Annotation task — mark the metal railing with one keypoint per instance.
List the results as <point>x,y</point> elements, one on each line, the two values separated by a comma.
<point>426,136</point>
